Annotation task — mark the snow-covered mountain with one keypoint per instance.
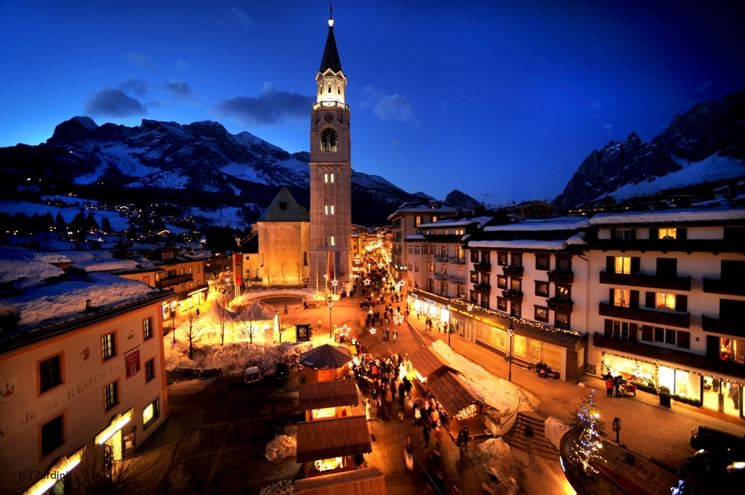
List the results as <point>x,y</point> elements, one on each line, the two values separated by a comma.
<point>165,160</point>
<point>705,145</point>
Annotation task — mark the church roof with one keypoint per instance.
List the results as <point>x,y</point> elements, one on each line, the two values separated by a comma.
<point>330,58</point>
<point>284,208</point>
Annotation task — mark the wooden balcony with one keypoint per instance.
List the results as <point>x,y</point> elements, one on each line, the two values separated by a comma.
<point>672,318</point>
<point>513,270</point>
<point>164,283</point>
<point>652,281</point>
<point>484,266</point>
<point>561,276</point>
<point>668,355</point>
<point>562,304</point>
<point>719,286</point>
<point>512,294</point>
<point>727,327</point>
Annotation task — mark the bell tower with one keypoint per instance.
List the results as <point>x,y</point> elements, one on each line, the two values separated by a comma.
<point>330,175</point>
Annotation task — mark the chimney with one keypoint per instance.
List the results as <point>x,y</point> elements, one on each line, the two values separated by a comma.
<point>88,307</point>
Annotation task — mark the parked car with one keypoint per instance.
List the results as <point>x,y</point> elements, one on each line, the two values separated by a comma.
<point>252,374</point>
<point>282,372</point>
<point>711,439</point>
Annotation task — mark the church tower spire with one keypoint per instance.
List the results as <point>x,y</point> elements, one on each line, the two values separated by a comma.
<point>330,175</point>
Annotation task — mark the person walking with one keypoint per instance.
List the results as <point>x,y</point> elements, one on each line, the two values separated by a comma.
<point>425,432</point>
<point>409,453</point>
<point>617,385</point>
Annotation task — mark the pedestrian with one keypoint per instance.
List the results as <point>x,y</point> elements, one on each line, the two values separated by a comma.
<point>417,414</point>
<point>617,385</point>
<point>609,387</point>
<point>529,434</point>
<point>409,453</point>
<point>425,432</point>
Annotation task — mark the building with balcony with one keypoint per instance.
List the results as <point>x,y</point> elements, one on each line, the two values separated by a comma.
<point>82,374</point>
<point>667,302</point>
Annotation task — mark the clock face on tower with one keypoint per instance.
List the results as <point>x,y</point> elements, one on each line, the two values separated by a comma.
<point>329,117</point>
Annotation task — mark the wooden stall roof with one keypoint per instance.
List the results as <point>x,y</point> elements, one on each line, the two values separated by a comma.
<point>426,363</point>
<point>367,481</point>
<point>327,394</point>
<point>451,393</point>
<point>326,357</point>
<point>323,439</point>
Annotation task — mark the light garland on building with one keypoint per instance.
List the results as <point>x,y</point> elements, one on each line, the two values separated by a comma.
<point>467,412</point>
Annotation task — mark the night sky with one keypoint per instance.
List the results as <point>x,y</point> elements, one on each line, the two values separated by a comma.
<point>504,98</point>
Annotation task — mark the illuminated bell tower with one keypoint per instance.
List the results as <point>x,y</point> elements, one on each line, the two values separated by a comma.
<point>330,175</point>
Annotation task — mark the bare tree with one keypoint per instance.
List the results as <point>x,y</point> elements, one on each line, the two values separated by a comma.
<point>192,332</point>
<point>251,330</point>
<point>96,476</point>
<point>222,318</point>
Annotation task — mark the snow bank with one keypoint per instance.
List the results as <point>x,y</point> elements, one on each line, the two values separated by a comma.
<point>281,447</point>
<point>496,392</point>
<point>285,487</point>
<point>496,457</point>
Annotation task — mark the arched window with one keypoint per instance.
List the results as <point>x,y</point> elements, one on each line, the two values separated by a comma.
<point>328,140</point>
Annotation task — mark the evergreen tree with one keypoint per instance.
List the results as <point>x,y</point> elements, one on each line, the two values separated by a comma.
<point>59,221</point>
<point>90,222</point>
<point>586,449</point>
<point>106,225</point>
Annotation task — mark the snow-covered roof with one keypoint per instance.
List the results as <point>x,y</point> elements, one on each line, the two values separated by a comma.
<point>414,237</point>
<point>669,216</point>
<point>544,224</point>
<point>456,222</point>
<point>422,209</point>
<point>533,245</point>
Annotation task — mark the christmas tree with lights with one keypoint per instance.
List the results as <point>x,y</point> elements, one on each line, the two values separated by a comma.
<point>586,448</point>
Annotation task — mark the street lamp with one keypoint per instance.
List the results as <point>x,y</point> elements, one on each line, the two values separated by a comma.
<point>173,320</point>
<point>511,332</point>
<point>330,304</point>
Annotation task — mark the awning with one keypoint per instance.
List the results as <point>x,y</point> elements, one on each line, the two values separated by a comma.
<point>324,439</point>
<point>327,394</point>
<point>367,481</point>
<point>451,393</point>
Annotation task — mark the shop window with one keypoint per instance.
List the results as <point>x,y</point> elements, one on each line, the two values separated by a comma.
<point>541,313</point>
<point>541,289</point>
<point>52,435</point>
<point>501,282</point>
<point>50,373</point>
<point>150,413</point>
<point>502,258</point>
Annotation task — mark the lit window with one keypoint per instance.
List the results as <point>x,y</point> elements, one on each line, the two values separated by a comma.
<point>328,178</point>
<point>667,233</point>
<point>623,265</point>
<point>147,328</point>
<point>417,220</point>
<point>665,301</point>
<point>108,346</point>
<point>329,209</point>
<point>326,412</point>
<point>150,413</point>
<point>331,241</point>
<point>621,298</point>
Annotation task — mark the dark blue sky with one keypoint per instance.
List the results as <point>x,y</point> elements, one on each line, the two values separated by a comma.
<point>503,98</point>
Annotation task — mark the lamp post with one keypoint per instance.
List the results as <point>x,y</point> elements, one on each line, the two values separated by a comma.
<point>511,332</point>
<point>330,304</point>
<point>173,320</point>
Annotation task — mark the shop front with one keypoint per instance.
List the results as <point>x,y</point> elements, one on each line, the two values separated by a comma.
<point>426,305</point>
<point>695,387</point>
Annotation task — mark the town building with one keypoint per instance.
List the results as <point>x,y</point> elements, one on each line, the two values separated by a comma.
<point>330,175</point>
<point>666,302</point>
<point>82,374</point>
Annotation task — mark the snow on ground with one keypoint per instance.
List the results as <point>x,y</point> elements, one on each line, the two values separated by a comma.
<point>242,171</point>
<point>63,299</point>
<point>123,157</point>
<point>496,392</point>
<point>229,216</point>
<point>710,169</point>
<point>495,455</point>
<point>118,223</point>
<point>98,261</point>
<point>86,179</point>
<point>285,487</point>
<point>281,447</point>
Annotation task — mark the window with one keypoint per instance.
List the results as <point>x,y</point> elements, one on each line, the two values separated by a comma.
<point>542,261</point>
<point>647,333</point>
<point>330,241</point>
<point>50,373</point>
<point>434,218</point>
<point>328,209</point>
<point>563,292</point>
<point>541,289</point>
<point>659,334</point>
<point>516,284</point>
<point>563,263</point>
<point>52,435</point>
<point>108,346</point>
<point>623,234</point>
<point>621,330</point>
<point>561,320</point>
<point>431,266</point>
<point>517,259</point>
<point>501,258</point>
<point>474,277</point>
<point>417,220</point>
<point>515,309</point>
<point>150,413</point>
<point>621,298</point>
<point>664,301</point>
<point>623,265</point>
<point>328,140</point>
<point>502,304</point>
<point>684,339</point>
<point>147,328</point>
<point>501,282</point>
<point>541,313</point>
<point>669,233</point>
<point>111,395</point>
<point>149,369</point>
<point>328,178</point>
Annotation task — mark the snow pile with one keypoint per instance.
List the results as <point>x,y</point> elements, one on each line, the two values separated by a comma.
<point>281,447</point>
<point>496,457</point>
<point>285,487</point>
<point>23,273</point>
<point>496,392</point>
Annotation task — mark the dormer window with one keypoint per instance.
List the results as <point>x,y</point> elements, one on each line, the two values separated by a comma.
<point>283,205</point>
<point>328,140</point>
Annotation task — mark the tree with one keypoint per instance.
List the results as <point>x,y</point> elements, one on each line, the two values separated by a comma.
<point>222,318</point>
<point>106,225</point>
<point>59,221</point>
<point>192,332</point>
<point>250,331</point>
<point>585,450</point>
<point>90,222</point>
